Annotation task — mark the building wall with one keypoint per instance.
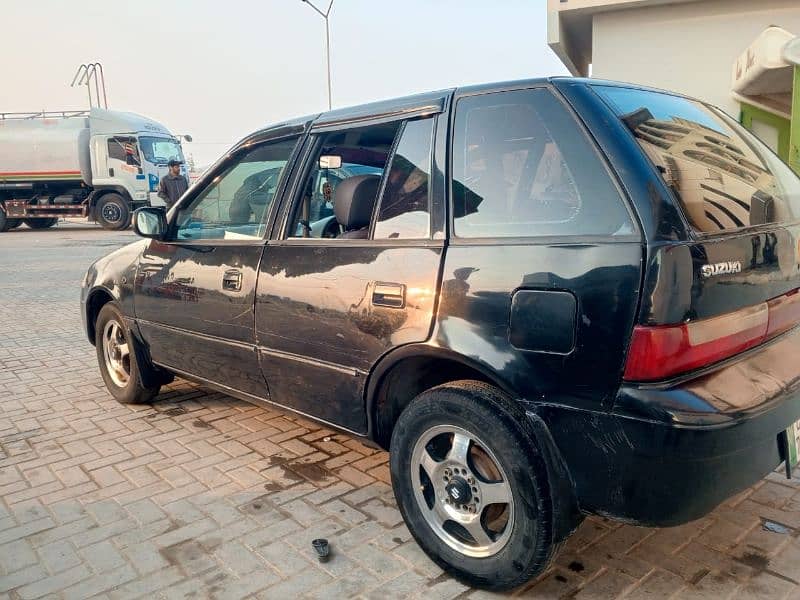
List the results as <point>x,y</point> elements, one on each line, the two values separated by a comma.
<point>689,48</point>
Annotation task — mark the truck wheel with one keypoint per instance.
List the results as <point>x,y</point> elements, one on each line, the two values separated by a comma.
<point>41,223</point>
<point>5,222</point>
<point>14,223</point>
<point>113,212</point>
<point>118,360</point>
<point>472,485</point>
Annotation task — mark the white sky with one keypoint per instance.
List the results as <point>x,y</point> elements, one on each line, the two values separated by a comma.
<point>219,70</point>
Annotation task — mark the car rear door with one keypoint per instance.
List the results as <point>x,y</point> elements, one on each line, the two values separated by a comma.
<point>327,308</point>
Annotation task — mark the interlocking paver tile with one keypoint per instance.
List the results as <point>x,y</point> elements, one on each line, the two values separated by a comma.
<point>148,585</point>
<point>22,577</point>
<point>99,583</point>
<point>102,556</point>
<point>145,556</point>
<point>296,585</point>
<point>54,583</point>
<point>402,586</point>
<point>343,512</point>
<point>16,555</point>
<point>203,494</point>
<point>382,564</point>
<point>59,556</point>
<point>284,559</point>
<point>348,585</point>
<point>25,530</point>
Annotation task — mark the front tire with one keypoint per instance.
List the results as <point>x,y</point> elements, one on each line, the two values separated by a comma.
<point>118,360</point>
<point>41,223</point>
<point>472,486</point>
<point>113,212</point>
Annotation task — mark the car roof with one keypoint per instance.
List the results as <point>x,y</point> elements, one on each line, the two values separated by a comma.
<point>403,107</point>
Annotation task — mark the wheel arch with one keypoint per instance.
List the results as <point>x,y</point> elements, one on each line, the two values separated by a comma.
<point>403,374</point>
<point>95,301</point>
<point>406,372</point>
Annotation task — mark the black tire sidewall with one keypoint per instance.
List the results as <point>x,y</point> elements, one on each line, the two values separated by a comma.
<point>125,212</point>
<point>44,223</point>
<point>134,392</point>
<point>473,408</point>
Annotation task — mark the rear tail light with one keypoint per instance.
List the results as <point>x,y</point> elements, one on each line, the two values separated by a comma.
<point>660,352</point>
<point>784,313</point>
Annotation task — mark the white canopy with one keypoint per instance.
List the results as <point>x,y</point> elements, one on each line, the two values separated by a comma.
<point>763,74</point>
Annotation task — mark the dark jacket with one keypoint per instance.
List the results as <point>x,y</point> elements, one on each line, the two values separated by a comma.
<point>171,188</point>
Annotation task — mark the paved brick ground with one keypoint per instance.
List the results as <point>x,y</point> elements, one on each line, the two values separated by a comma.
<point>201,495</point>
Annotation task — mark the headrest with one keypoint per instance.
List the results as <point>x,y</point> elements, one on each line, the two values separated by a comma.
<point>354,200</point>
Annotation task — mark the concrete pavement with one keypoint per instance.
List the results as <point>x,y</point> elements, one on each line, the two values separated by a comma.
<point>201,495</point>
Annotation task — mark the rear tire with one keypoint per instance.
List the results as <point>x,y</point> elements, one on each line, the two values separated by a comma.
<point>483,514</point>
<point>118,358</point>
<point>113,212</point>
<point>14,223</point>
<point>41,223</point>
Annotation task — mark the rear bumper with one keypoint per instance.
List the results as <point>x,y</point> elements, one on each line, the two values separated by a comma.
<point>668,455</point>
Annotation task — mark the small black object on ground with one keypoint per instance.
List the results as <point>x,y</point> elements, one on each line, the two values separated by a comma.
<point>322,548</point>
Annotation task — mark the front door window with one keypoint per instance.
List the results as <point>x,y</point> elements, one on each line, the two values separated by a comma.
<point>235,204</point>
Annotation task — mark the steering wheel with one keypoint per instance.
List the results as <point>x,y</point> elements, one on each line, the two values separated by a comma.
<point>331,229</point>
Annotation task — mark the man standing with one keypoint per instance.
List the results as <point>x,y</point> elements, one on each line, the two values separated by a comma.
<point>173,184</point>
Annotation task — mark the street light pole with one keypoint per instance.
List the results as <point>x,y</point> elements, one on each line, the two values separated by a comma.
<point>325,16</point>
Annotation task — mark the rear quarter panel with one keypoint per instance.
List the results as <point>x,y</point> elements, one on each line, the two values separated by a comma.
<point>478,283</point>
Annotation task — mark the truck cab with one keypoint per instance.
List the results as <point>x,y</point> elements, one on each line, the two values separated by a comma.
<point>129,154</point>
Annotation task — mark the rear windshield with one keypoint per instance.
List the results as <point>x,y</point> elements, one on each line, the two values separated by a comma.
<point>723,177</point>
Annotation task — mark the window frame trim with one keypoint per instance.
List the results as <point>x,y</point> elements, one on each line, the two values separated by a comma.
<point>280,228</point>
<point>561,239</point>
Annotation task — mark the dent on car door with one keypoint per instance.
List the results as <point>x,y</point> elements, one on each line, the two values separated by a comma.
<point>327,308</point>
<point>195,292</point>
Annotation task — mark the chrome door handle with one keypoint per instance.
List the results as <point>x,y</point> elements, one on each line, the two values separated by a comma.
<point>232,280</point>
<point>392,295</point>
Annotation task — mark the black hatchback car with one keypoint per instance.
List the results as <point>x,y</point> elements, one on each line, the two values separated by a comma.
<point>546,298</point>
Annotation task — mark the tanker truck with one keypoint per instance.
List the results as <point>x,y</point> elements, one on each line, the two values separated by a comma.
<point>98,163</point>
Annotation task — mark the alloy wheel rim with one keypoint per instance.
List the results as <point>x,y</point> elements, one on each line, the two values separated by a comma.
<point>462,491</point>
<point>117,354</point>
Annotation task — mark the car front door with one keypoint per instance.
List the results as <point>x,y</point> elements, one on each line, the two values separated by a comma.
<point>194,293</point>
<point>336,293</point>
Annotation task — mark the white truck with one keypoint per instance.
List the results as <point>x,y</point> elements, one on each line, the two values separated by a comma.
<point>98,163</point>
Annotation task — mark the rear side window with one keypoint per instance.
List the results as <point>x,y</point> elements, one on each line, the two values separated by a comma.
<point>522,167</point>
<point>723,177</point>
<point>404,207</point>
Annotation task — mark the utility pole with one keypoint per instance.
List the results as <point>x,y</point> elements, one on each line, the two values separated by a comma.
<point>325,16</point>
